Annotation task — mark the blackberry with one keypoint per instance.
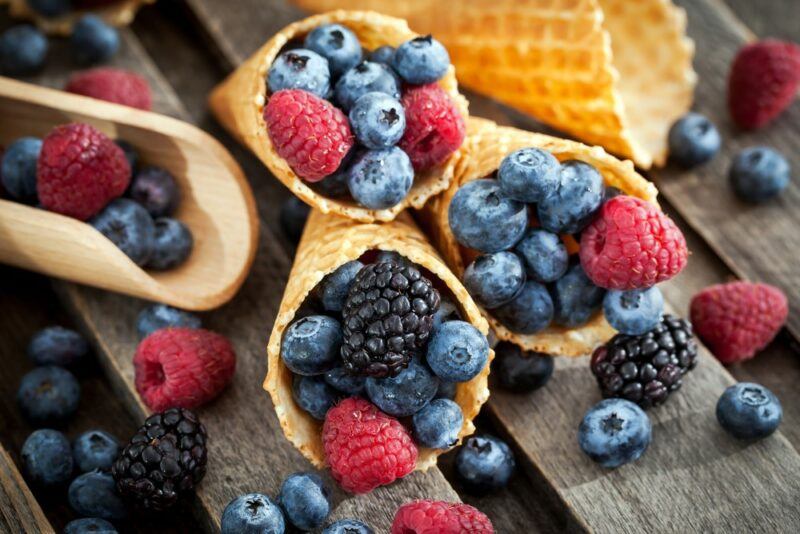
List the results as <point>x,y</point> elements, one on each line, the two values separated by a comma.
<point>645,369</point>
<point>388,317</point>
<point>163,460</point>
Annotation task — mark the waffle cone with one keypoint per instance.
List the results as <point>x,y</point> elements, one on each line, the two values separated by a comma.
<point>120,13</point>
<point>487,145</point>
<point>615,73</point>
<point>328,242</point>
<point>239,101</point>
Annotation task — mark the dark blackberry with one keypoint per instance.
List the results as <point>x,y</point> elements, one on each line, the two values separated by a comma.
<point>388,317</point>
<point>645,369</point>
<point>165,459</point>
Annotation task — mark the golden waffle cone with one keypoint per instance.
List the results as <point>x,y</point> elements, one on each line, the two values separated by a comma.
<point>239,101</point>
<point>615,73</point>
<point>487,145</point>
<point>328,242</point>
<point>120,13</point>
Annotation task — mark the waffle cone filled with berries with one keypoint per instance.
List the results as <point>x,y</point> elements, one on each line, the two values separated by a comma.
<point>115,13</point>
<point>614,73</point>
<point>240,101</point>
<point>329,242</point>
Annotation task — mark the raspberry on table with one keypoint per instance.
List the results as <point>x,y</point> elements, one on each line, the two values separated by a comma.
<point>112,85</point>
<point>632,245</point>
<point>439,517</point>
<point>434,126</point>
<point>365,447</point>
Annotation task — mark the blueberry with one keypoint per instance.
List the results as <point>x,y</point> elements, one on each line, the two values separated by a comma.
<point>314,395</point>
<point>405,394</point>
<point>447,311</point>
<point>47,458</point>
<point>89,525</point>
<point>253,513</point>
<point>156,190</point>
<point>634,312</point>
<point>447,390</point>
<point>300,69</point>
<point>172,245</point>
<point>494,279</point>
<point>421,60</point>
<point>483,218</point>
<point>129,227</point>
<point>94,494</point>
<point>759,173</point>
<point>749,411</point>
<point>305,500</point>
<point>19,169</point>
<point>529,174</point>
<point>579,195</point>
<point>311,345</point>
<point>529,312</point>
<point>693,140</point>
<point>56,345</point>
<point>334,287</point>
<point>521,371</point>
<point>23,50</point>
<point>160,316</point>
<point>93,40</point>
<point>438,424</point>
<point>457,351</point>
<point>545,255</point>
<point>385,256</point>
<point>337,44</point>
<point>484,464</point>
<point>575,298</point>
<point>614,432</point>
<point>382,54</point>
<point>293,216</point>
<point>50,8</point>
<point>381,179</point>
<point>378,120</point>
<point>48,396</point>
<point>342,381</point>
<point>348,526</point>
<point>131,154</point>
<point>95,449</point>
<point>366,77</point>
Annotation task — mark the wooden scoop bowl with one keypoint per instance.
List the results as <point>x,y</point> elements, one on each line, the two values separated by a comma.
<point>217,204</point>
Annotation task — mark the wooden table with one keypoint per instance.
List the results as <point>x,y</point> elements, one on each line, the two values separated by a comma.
<point>693,478</point>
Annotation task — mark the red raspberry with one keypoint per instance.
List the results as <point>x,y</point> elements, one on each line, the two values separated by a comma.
<point>434,127</point>
<point>763,82</point>
<point>738,319</point>
<point>182,367</point>
<point>80,170</point>
<point>112,85</point>
<point>365,447</point>
<point>310,133</point>
<point>632,245</point>
<point>439,517</point>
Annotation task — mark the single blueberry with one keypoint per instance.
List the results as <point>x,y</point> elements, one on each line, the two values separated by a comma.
<point>172,245</point>
<point>334,287</point>
<point>521,371</point>
<point>614,432</point>
<point>575,298</point>
<point>759,173</point>
<point>305,500</point>
<point>293,216</point>
<point>158,316</point>
<point>749,411</point>
<point>50,8</point>
<point>311,345</point>
<point>529,312</point>
<point>93,40</point>
<point>337,44</point>
<point>378,120</point>
<point>693,139</point>
<point>405,394</point>
<point>366,77</point>
<point>438,424</point>
<point>348,526</point>
<point>95,449</point>
<point>447,390</point>
<point>457,351</point>
<point>47,458</point>
<point>253,513</point>
<point>634,312</point>
<point>529,174</point>
<point>380,179</point>
<point>48,396</point>
<point>545,255</point>
<point>579,195</point>
<point>23,50</point>
<point>342,381</point>
<point>156,190</point>
<point>494,279</point>
<point>447,311</point>
<point>94,494</point>
<point>484,464</point>
<point>131,154</point>
<point>89,525</point>
<point>314,395</point>
<point>129,227</point>
<point>483,218</point>
<point>382,54</point>
<point>56,345</point>
<point>18,171</point>
<point>300,69</point>
<point>421,60</point>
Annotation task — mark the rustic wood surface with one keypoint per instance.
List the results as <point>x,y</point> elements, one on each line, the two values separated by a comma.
<point>19,510</point>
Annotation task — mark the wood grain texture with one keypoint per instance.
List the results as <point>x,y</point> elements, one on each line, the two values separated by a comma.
<point>19,510</point>
<point>769,18</point>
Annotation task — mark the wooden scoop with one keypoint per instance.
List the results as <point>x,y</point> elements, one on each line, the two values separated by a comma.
<point>217,204</point>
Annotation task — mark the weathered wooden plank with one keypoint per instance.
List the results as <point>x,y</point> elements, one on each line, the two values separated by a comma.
<point>768,18</point>
<point>19,511</point>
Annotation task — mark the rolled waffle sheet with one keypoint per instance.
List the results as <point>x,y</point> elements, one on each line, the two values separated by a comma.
<point>615,73</point>
<point>328,242</point>
<point>120,13</point>
<point>239,101</point>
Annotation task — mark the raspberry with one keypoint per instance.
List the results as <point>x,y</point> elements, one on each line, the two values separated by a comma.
<point>434,127</point>
<point>112,85</point>
<point>365,447</point>
<point>80,170</point>
<point>439,517</point>
<point>182,367</point>
<point>763,81</point>
<point>738,319</point>
<point>310,133</point>
<point>632,245</point>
